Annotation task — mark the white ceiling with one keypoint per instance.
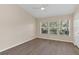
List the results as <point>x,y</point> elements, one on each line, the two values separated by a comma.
<point>50,9</point>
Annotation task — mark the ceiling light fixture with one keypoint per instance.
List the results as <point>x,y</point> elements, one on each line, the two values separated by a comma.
<point>42,8</point>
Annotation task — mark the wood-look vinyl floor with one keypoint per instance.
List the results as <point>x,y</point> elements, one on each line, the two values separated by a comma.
<point>43,47</point>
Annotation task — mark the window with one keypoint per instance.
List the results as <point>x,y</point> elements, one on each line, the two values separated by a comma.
<point>44,28</point>
<point>64,27</point>
<point>55,27</point>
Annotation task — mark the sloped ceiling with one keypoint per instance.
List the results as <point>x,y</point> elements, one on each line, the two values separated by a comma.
<point>50,9</point>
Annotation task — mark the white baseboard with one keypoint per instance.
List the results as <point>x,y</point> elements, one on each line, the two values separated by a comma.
<point>55,39</point>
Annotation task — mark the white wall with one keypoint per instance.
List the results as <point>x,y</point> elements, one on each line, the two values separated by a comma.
<point>16,26</point>
<point>76,27</point>
<point>55,37</point>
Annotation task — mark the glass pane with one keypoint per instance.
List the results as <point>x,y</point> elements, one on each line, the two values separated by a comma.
<point>53,27</point>
<point>64,27</point>
<point>44,24</point>
<point>53,24</point>
<point>44,30</point>
<point>53,30</point>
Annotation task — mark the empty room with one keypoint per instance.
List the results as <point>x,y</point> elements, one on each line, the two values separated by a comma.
<point>39,29</point>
